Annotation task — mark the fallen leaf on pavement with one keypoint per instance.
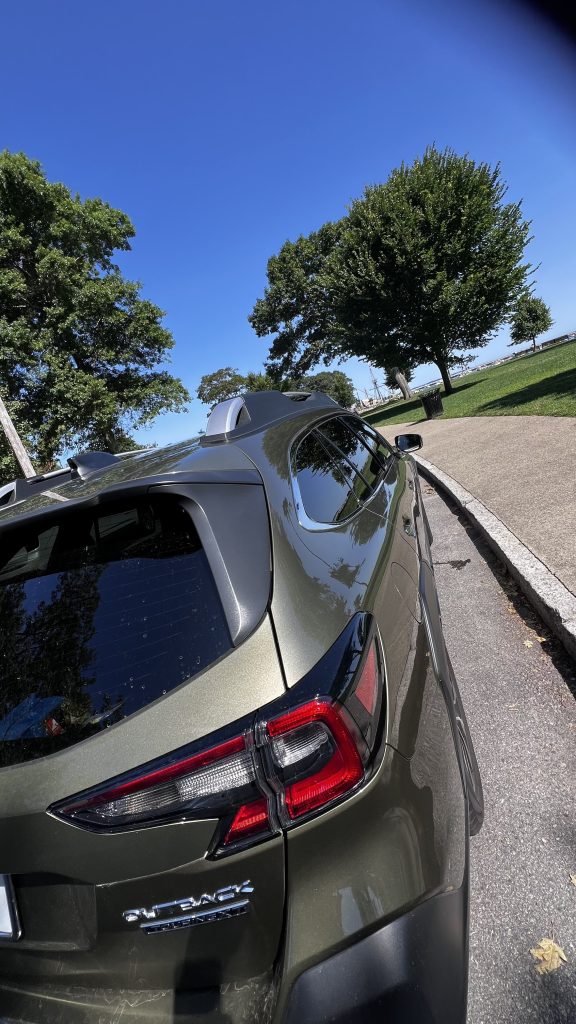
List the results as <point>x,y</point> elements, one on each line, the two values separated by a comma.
<point>528,643</point>
<point>573,879</point>
<point>550,956</point>
<point>542,639</point>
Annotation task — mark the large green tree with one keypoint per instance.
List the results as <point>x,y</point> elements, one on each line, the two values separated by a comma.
<point>297,307</point>
<point>531,317</point>
<point>423,268</point>
<point>332,382</point>
<point>79,347</point>
<point>221,384</point>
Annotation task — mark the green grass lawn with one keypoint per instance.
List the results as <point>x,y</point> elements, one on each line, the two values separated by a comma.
<point>539,384</point>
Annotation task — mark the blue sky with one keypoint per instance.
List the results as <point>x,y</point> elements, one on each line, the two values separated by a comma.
<point>223,129</point>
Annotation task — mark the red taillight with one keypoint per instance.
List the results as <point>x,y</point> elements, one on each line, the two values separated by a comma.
<point>273,774</point>
<point>178,776</point>
<point>220,782</point>
<point>329,776</point>
<point>367,689</point>
<point>249,820</point>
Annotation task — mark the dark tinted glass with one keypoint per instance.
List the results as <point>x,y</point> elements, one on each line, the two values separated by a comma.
<point>375,441</point>
<point>323,486</point>
<point>100,614</point>
<point>367,464</point>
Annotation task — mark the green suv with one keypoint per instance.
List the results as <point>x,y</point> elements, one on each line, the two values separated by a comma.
<point>236,780</point>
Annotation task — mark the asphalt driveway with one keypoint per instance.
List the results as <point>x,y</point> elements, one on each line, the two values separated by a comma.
<point>523,468</point>
<point>519,696</point>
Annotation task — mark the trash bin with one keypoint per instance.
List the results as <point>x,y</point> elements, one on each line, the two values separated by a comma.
<point>432,404</point>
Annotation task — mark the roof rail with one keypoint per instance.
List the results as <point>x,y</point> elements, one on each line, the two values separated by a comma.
<point>80,466</point>
<point>24,487</point>
<point>257,409</point>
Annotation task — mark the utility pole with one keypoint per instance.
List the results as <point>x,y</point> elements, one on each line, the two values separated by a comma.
<point>15,441</point>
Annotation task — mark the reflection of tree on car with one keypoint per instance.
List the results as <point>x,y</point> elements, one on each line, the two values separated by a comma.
<point>48,660</point>
<point>78,630</point>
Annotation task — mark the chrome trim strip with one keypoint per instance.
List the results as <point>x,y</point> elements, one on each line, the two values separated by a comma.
<point>16,932</point>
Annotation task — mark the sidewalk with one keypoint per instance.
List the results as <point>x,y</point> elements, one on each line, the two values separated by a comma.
<point>523,468</point>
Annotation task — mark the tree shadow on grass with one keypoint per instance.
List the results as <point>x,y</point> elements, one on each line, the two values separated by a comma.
<point>560,385</point>
<point>379,416</point>
<point>462,387</point>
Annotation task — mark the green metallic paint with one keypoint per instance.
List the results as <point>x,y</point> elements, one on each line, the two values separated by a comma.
<point>397,841</point>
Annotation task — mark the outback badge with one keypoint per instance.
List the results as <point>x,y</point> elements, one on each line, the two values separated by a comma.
<point>185,913</point>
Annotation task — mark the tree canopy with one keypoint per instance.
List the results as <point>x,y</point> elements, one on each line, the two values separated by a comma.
<point>220,385</point>
<point>79,347</point>
<point>297,305</point>
<point>530,318</point>
<point>423,268</point>
<point>229,382</point>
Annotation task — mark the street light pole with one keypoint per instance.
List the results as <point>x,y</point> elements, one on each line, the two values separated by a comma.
<point>15,441</point>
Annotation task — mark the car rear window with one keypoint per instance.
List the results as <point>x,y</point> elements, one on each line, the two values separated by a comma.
<point>323,482</point>
<point>101,612</point>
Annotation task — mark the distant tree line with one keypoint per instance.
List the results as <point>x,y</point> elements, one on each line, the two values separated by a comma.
<point>229,382</point>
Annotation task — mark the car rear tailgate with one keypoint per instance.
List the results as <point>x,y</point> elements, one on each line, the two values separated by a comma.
<point>77,888</point>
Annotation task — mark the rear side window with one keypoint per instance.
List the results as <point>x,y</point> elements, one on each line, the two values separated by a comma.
<point>101,613</point>
<point>324,483</point>
<point>365,460</point>
<point>374,441</point>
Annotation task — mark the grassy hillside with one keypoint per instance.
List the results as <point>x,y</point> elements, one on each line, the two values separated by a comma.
<point>539,384</point>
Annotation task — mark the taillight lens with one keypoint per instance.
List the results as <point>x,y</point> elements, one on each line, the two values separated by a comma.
<point>278,770</point>
<point>314,756</point>
<point>215,782</point>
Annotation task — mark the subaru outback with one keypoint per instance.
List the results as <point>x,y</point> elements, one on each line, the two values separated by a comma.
<point>236,779</point>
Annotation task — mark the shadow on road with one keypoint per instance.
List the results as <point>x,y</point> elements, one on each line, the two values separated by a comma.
<point>553,994</point>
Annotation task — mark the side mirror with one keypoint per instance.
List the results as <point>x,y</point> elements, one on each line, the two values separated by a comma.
<point>408,442</point>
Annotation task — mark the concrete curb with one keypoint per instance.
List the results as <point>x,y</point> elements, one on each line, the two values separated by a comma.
<point>554,602</point>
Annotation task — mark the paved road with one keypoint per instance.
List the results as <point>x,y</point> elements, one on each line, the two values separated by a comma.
<point>523,468</point>
<point>522,715</point>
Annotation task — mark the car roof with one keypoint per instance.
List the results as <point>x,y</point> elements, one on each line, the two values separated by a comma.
<point>210,457</point>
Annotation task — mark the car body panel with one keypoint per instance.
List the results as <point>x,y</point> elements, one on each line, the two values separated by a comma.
<point>322,887</point>
<point>186,461</point>
<point>58,865</point>
<point>322,577</point>
<point>399,840</point>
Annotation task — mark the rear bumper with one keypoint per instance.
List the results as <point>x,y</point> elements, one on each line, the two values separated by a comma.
<point>414,969</point>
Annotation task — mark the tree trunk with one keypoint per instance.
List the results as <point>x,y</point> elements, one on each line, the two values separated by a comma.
<point>443,367</point>
<point>533,344</point>
<point>401,382</point>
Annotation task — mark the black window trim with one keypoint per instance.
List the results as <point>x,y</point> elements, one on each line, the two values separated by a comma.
<point>377,438</point>
<point>385,466</point>
<point>304,519</point>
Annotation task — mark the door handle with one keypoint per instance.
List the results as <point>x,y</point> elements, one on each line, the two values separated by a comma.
<point>408,527</point>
